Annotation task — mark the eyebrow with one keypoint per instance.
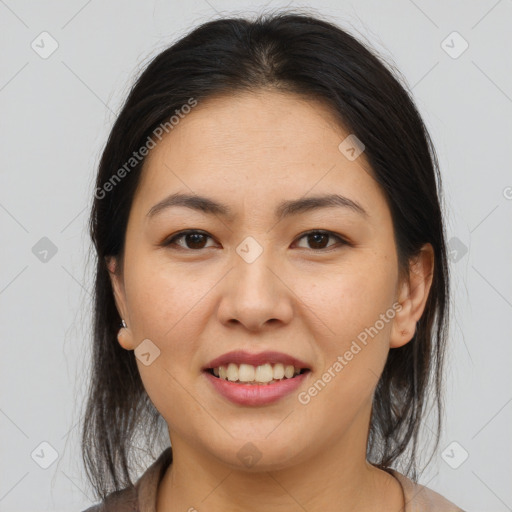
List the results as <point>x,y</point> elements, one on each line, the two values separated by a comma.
<point>284,209</point>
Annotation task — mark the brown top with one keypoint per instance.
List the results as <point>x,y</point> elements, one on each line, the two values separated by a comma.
<point>142,497</point>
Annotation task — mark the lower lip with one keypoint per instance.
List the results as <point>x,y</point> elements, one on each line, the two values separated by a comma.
<point>255,394</point>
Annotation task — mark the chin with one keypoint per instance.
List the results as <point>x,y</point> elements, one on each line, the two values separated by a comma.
<point>255,454</point>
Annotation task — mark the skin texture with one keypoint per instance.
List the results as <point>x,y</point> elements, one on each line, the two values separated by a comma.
<point>303,296</point>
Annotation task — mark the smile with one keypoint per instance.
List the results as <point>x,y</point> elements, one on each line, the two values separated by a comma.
<point>255,393</point>
<point>253,375</point>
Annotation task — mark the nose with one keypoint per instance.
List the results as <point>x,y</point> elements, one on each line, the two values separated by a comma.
<point>255,295</point>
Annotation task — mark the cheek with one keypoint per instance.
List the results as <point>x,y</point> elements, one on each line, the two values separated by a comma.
<point>352,337</point>
<point>350,300</point>
<point>352,343</point>
<point>167,307</point>
<point>163,311</point>
<point>163,298</point>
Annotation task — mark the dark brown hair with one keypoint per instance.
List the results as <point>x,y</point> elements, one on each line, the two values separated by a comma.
<point>301,54</point>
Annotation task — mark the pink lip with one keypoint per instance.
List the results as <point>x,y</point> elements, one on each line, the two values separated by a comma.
<point>240,357</point>
<point>255,394</point>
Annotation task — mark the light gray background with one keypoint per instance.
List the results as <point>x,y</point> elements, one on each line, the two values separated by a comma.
<point>56,114</point>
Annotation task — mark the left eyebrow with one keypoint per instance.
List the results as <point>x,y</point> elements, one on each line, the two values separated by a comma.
<point>284,209</point>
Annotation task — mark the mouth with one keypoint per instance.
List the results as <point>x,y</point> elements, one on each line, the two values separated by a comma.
<point>256,379</point>
<point>248,385</point>
<point>261,375</point>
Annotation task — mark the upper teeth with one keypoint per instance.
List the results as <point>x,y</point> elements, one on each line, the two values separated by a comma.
<point>247,373</point>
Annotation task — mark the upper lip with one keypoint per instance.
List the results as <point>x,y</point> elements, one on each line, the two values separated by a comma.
<point>243,357</point>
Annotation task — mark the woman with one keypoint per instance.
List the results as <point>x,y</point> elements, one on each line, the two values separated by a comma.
<point>270,240</point>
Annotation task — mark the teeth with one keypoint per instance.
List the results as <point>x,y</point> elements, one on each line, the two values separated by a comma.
<point>264,374</point>
<point>232,372</point>
<point>278,371</point>
<point>246,373</point>
<point>289,371</point>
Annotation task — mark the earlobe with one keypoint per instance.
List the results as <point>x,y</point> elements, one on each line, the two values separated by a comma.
<point>124,336</point>
<point>413,296</point>
<point>125,339</point>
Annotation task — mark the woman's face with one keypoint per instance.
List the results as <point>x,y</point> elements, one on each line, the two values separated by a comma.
<point>254,281</point>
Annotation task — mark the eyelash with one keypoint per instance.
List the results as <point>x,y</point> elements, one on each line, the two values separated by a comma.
<point>170,241</point>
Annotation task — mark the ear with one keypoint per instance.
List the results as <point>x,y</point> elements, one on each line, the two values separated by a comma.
<point>116,278</point>
<point>413,295</point>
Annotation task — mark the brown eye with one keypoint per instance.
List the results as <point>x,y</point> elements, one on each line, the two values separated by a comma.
<point>193,240</point>
<point>318,240</point>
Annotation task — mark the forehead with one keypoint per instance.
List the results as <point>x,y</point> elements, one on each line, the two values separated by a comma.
<point>263,146</point>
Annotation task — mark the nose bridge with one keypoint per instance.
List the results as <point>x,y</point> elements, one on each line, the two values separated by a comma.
<point>252,274</point>
<point>254,291</point>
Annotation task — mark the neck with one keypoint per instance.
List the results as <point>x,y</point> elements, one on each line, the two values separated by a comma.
<point>337,479</point>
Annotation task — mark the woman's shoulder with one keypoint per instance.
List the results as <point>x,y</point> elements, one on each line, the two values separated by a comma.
<point>140,497</point>
<point>419,498</point>
<point>125,500</point>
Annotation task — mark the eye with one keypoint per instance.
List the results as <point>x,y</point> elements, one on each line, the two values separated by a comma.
<point>318,238</point>
<point>193,239</point>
